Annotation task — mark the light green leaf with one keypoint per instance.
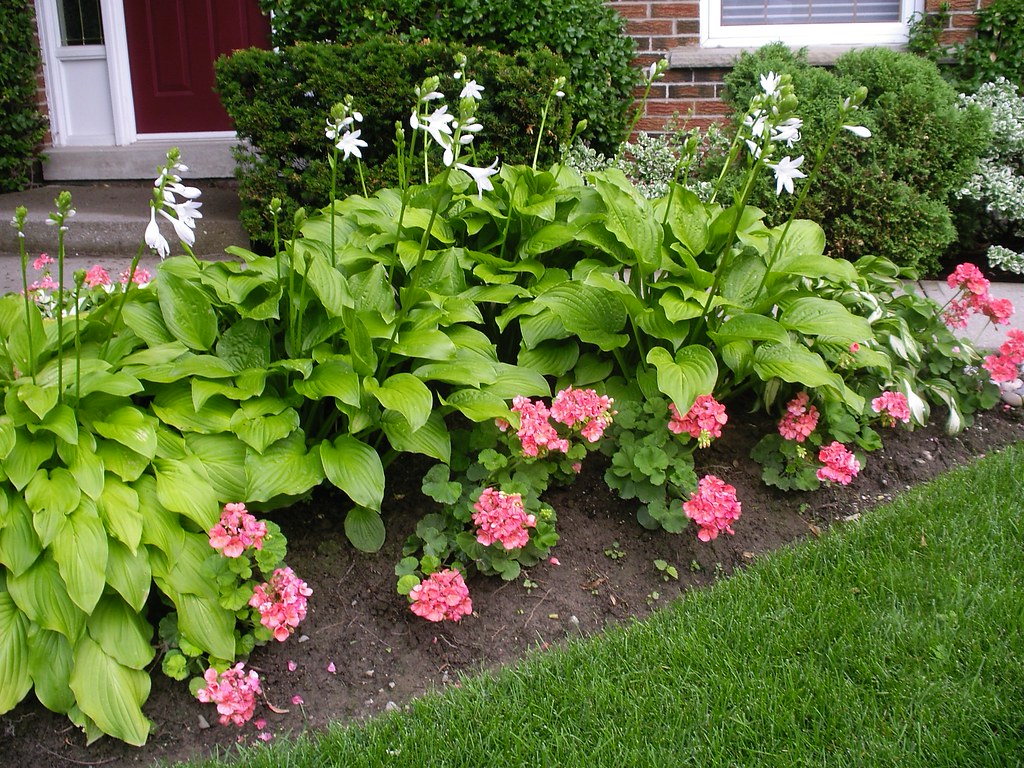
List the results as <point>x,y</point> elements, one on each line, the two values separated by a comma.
<point>19,542</point>
<point>110,693</point>
<point>182,487</point>
<point>425,344</point>
<point>825,318</point>
<point>550,358</point>
<point>223,458</point>
<point>40,400</point>
<point>186,311</point>
<point>205,624</point>
<point>515,380</point>
<point>630,218</point>
<point>244,345</point>
<point>334,378</point>
<point>129,574</point>
<point>122,632</point>
<point>406,394</point>
<point>49,665</point>
<point>285,469</point>
<point>176,406</point>
<point>146,320</point>
<point>365,529</point>
<point>750,327</point>
<point>62,422</point>
<point>803,237</point>
<point>432,439</point>
<point>8,437</point>
<point>692,372</point>
<point>87,468</point>
<point>477,406</point>
<point>51,498</point>
<point>28,454</point>
<point>327,283</point>
<point>688,220</point>
<point>798,365</point>
<point>355,468</point>
<point>118,507</point>
<point>596,316</point>
<point>130,427</point>
<point>42,594</point>
<point>80,551</point>
<point>15,680</point>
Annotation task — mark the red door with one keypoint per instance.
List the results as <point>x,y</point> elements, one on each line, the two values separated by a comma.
<point>172,45</point>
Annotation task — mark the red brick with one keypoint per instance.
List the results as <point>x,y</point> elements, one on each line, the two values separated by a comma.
<point>649,27</point>
<point>675,10</point>
<point>964,21</point>
<point>632,10</point>
<point>692,91</point>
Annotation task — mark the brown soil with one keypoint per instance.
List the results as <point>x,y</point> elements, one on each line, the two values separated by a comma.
<point>384,655</point>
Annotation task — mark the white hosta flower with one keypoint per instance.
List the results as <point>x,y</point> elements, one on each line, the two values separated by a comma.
<point>188,212</point>
<point>154,239</point>
<point>858,130</point>
<point>184,232</point>
<point>177,188</point>
<point>350,144</point>
<point>481,176</point>
<point>786,170</point>
<point>472,90</point>
<point>755,121</point>
<point>788,131</point>
<point>770,83</point>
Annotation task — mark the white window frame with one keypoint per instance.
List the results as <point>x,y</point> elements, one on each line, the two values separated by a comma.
<point>713,34</point>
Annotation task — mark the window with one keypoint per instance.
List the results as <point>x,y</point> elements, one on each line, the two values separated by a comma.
<point>80,22</point>
<point>727,23</point>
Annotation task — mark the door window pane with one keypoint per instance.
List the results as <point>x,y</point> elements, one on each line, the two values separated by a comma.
<point>80,22</point>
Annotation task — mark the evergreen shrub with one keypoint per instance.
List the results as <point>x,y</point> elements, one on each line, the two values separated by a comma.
<point>22,127</point>
<point>280,102</point>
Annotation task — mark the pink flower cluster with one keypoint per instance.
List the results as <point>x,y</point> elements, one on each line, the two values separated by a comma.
<point>236,531</point>
<point>841,466</point>
<point>799,420</point>
<point>97,276</point>
<point>281,602</point>
<point>713,507</point>
<point>893,407</point>
<point>973,298</point>
<point>703,421</point>
<point>1005,366</point>
<point>583,407</point>
<point>234,692</point>
<point>500,516</point>
<point>442,595</point>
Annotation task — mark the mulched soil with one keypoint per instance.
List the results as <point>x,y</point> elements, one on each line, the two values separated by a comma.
<point>384,656</point>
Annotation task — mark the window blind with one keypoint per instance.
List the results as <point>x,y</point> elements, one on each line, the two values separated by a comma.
<point>735,12</point>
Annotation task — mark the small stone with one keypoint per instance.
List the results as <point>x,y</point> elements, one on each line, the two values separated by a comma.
<point>369,673</point>
<point>574,620</point>
<point>391,707</point>
<point>203,724</point>
<point>391,685</point>
<point>303,638</point>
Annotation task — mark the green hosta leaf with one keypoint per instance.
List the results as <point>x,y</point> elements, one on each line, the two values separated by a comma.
<point>750,327</point>
<point>119,384</point>
<point>161,528</point>
<point>49,665</point>
<point>327,283</point>
<point>129,574</point>
<point>594,315</point>
<point>547,238</point>
<point>825,318</point>
<point>355,468</point>
<point>246,344</point>
<point>19,542</point>
<point>425,344</point>
<point>130,427</point>
<point>204,623</point>
<point>798,365</point>
<point>87,468</point>
<point>61,421</point>
<point>469,370</point>
<point>365,529</point>
<point>692,372</point>
<point>551,358</point>
<point>591,369</point>
<point>28,454</point>
<point>678,308</point>
<point>15,679</point>
<point>687,220</point>
<point>372,292</point>
<point>176,406</point>
<point>515,380</point>
<point>741,280</point>
<point>18,337</point>
<point>110,693</point>
<point>186,311</point>
<point>182,487</point>
<point>42,594</point>
<point>630,218</point>
<point>815,265</point>
<point>285,469</point>
<point>118,507</point>
<point>263,430</point>
<point>121,632</point>
<point>80,551</point>
<point>51,498</point>
<point>476,405</point>
<point>432,439</point>
<point>406,394</point>
<point>803,237</point>
<point>126,464</point>
<point>146,320</point>
<point>223,458</point>
<point>334,378</point>
<point>8,437</point>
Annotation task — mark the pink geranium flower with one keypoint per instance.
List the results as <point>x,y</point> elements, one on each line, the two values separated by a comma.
<point>841,466</point>
<point>41,262</point>
<point>236,531</point>
<point>1005,366</point>
<point>536,434</point>
<point>968,277</point>
<point>97,276</point>
<point>799,420</point>
<point>713,507</point>
<point>233,691</point>
<point>998,311</point>
<point>703,421</point>
<point>893,407</point>
<point>501,517</point>
<point>583,407</point>
<point>281,602</point>
<point>442,595</point>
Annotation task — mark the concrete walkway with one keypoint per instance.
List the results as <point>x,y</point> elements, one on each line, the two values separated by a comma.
<point>112,217</point>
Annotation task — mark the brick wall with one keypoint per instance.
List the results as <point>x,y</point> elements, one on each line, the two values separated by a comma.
<point>695,93</point>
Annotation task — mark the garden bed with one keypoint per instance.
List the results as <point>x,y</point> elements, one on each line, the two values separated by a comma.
<point>383,655</point>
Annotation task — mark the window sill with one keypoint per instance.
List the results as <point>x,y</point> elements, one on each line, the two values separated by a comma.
<point>697,57</point>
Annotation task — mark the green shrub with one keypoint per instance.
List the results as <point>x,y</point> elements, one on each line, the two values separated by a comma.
<point>888,195</point>
<point>281,100</point>
<point>21,126</point>
<point>588,35</point>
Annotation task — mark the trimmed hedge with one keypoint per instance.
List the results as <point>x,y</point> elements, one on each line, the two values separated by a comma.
<point>888,195</point>
<point>587,34</point>
<point>22,127</point>
<point>280,102</point>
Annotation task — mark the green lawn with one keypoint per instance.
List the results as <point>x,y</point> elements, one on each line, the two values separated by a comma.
<point>896,641</point>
